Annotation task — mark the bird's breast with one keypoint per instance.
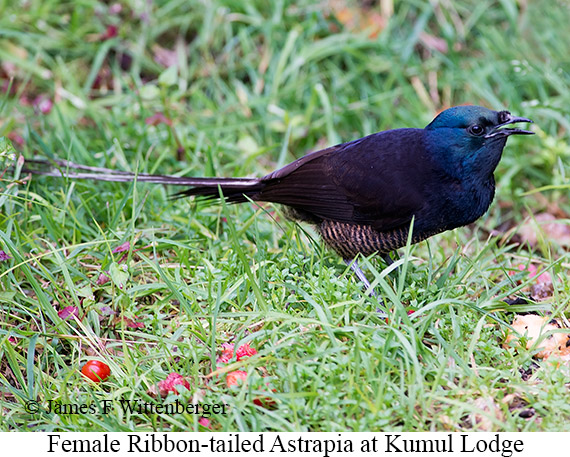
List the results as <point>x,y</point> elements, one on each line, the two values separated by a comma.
<point>464,204</point>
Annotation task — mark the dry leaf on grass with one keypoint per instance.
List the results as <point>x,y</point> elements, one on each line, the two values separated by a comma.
<point>491,409</point>
<point>542,287</point>
<point>561,357</point>
<point>356,19</point>
<point>533,328</point>
<point>545,224</point>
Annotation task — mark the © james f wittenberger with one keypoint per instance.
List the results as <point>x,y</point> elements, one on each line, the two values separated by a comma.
<point>127,406</point>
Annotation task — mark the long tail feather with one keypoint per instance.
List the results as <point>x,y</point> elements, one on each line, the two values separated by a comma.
<point>234,189</point>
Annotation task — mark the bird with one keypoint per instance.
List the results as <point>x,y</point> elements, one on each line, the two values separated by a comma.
<point>363,195</point>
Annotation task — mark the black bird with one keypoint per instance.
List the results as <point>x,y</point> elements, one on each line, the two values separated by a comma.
<point>363,195</point>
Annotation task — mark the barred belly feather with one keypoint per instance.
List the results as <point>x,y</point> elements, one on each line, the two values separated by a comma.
<point>348,240</point>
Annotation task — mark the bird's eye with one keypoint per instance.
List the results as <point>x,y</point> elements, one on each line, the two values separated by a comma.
<point>476,130</point>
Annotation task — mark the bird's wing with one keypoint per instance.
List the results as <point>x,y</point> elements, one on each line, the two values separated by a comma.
<point>376,180</point>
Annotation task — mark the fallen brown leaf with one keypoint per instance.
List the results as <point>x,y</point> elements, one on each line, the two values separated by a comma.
<point>545,224</point>
<point>534,328</point>
<point>491,409</point>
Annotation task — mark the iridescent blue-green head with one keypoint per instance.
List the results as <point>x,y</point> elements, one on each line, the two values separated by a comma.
<point>470,139</point>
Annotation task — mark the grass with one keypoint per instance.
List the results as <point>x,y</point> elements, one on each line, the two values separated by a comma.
<point>244,87</point>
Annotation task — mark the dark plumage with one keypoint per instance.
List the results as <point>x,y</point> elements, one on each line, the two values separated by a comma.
<point>362,195</point>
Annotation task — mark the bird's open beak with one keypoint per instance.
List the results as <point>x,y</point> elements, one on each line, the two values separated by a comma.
<point>498,131</point>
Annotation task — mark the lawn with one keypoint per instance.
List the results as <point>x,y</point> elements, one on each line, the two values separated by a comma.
<point>123,274</point>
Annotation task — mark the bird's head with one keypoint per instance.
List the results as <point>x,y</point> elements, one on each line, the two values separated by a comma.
<point>478,122</point>
<point>472,138</point>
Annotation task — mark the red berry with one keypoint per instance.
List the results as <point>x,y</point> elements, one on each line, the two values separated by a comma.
<point>96,370</point>
<point>205,422</point>
<point>170,383</point>
<point>233,378</point>
<point>245,350</point>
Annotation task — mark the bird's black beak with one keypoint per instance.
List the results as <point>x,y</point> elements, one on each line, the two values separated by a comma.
<point>506,118</point>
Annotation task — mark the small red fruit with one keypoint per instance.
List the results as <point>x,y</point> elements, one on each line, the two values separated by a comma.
<point>235,377</point>
<point>96,370</point>
<point>169,384</point>
<point>205,422</point>
<point>245,350</point>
